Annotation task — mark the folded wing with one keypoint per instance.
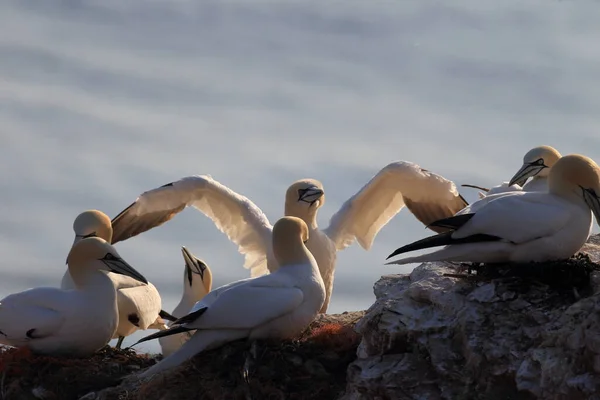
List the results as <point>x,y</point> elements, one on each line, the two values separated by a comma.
<point>428,196</point>
<point>248,306</point>
<point>518,217</point>
<point>31,314</point>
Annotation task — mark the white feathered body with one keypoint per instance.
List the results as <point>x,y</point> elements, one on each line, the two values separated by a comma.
<point>133,297</point>
<point>65,322</point>
<point>169,344</point>
<point>324,251</point>
<point>537,184</point>
<point>502,188</point>
<point>190,296</point>
<point>278,305</point>
<point>534,227</point>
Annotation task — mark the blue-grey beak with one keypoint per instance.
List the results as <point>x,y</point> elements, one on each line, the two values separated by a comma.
<point>310,195</point>
<point>119,266</point>
<point>193,265</point>
<point>527,171</point>
<point>593,201</point>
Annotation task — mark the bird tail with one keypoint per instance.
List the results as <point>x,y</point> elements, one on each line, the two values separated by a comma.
<point>167,332</point>
<point>165,315</point>
<point>201,340</point>
<point>488,252</point>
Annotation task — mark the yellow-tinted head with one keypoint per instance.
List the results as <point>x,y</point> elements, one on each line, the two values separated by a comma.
<point>289,236</point>
<point>197,275</point>
<point>537,162</point>
<point>86,252</point>
<point>577,176</point>
<point>304,197</point>
<point>92,223</point>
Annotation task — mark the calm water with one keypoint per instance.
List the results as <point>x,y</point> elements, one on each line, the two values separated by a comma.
<point>101,100</point>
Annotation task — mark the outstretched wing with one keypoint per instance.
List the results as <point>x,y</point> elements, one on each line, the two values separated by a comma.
<point>233,214</point>
<point>428,196</point>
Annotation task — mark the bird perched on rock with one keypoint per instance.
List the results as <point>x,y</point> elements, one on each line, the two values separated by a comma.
<point>277,305</point>
<point>536,165</point>
<point>139,303</point>
<point>73,322</point>
<point>521,226</point>
<point>197,282</point>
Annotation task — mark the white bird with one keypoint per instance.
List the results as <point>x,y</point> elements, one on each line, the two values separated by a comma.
<point>197,282</point>
<point>277,305</point>
<point>139,303</point>
<point>428,196</point>
<point>74,322</point>
<point>537,163</point>
<point>521,226</point>
<point>504,187</point>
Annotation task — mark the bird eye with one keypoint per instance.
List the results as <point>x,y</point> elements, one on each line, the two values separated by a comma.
<point>540,161</point>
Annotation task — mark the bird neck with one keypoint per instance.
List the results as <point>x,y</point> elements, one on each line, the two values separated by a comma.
<point>97,283</point>
<point>308,215</point>
<point>573,195</point>
<point>193,293</point>
<point>290,253</point>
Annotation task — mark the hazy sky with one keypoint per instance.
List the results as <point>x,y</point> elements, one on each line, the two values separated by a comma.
<point>102,100</point>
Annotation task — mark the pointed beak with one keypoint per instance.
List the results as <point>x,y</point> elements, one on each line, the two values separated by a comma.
<point>119,266</point>
<point>193,265</point>
<point>593,201</point>
<point>189,261</point>
<point>527,171</point>
<point>311,195</point>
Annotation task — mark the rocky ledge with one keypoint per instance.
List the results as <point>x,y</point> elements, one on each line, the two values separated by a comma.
<point>313,366</point>
<point>509,332</point>
<point>440,333</point>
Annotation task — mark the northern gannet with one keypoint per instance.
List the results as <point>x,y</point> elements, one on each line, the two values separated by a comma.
<point>197,282</point>
<point>428,196</point>
<point>277,305</point>
<point>521,226</point>
<point>74,322</point>
<point>139,303</point>
<point>537,163</point>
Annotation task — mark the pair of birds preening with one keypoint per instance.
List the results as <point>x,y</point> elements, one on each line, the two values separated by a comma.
<point>292,263</point>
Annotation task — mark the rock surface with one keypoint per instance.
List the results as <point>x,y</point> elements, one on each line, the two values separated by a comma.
<point>432,336</point>
<point>312,366</point>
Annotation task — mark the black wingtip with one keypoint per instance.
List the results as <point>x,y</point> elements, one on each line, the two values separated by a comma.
<point>190,317</point>
<point>443,239</point>
<point>165,315</point>
<point>453,222</point>
<point>159,334</point>
<point>440,239</point>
